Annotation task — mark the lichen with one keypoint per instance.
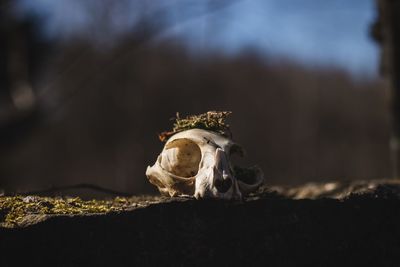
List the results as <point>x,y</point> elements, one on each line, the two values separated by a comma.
<point>211,120</point>
<point>15,209</point>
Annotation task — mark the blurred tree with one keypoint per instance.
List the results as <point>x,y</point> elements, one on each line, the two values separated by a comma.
<point>386,31</point>
<point>19,55</point>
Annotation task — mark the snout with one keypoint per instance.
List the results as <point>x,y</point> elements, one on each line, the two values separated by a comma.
<point>222,175</point>
<point>220,182</point>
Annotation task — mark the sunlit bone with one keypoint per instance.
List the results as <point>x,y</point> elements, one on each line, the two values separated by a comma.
<point>198,163</point>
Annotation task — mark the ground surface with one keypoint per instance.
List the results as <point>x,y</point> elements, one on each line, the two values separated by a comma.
<point>360,227</point>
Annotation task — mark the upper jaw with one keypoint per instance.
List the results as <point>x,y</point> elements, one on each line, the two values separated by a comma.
<point>217,180</point>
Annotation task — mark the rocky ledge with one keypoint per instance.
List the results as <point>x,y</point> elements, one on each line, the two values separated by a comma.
<point>337,224</point>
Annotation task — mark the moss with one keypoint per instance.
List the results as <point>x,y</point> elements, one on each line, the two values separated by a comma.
<point>212,120</point>
<point>14,210</point>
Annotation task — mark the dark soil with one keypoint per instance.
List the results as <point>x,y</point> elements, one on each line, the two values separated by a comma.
<point>266,230</point>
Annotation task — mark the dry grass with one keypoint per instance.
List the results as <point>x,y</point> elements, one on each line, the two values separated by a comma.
<point>212,120</point>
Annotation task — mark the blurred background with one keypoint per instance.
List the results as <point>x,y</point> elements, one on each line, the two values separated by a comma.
<point>86,86</point>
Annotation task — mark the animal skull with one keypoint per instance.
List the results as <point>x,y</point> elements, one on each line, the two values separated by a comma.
<point>198,163</point>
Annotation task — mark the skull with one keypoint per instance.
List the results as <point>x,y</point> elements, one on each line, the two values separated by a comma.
<point>198,163</point>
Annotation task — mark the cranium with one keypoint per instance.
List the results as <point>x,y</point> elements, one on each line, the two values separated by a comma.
<point>198,163</point>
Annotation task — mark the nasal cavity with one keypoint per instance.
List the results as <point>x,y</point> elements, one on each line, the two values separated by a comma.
<point>223,182</point>
<point>223,185</point>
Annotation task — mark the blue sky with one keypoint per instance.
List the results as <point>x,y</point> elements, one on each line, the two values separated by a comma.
<point>313,32</point>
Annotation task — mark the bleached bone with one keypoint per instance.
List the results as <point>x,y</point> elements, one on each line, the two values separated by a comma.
<point>198,163</point>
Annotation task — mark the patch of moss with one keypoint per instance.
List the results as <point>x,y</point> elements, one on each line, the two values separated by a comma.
<point>14,210</point>
<point>212,120</point>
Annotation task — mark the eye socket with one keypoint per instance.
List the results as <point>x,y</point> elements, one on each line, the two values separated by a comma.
<point>246,175</point>
<point>181,157</point>
<point>237,150</point>
<point>236,157</point>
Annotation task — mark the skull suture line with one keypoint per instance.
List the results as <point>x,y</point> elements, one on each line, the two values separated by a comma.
<point>198,163</point>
